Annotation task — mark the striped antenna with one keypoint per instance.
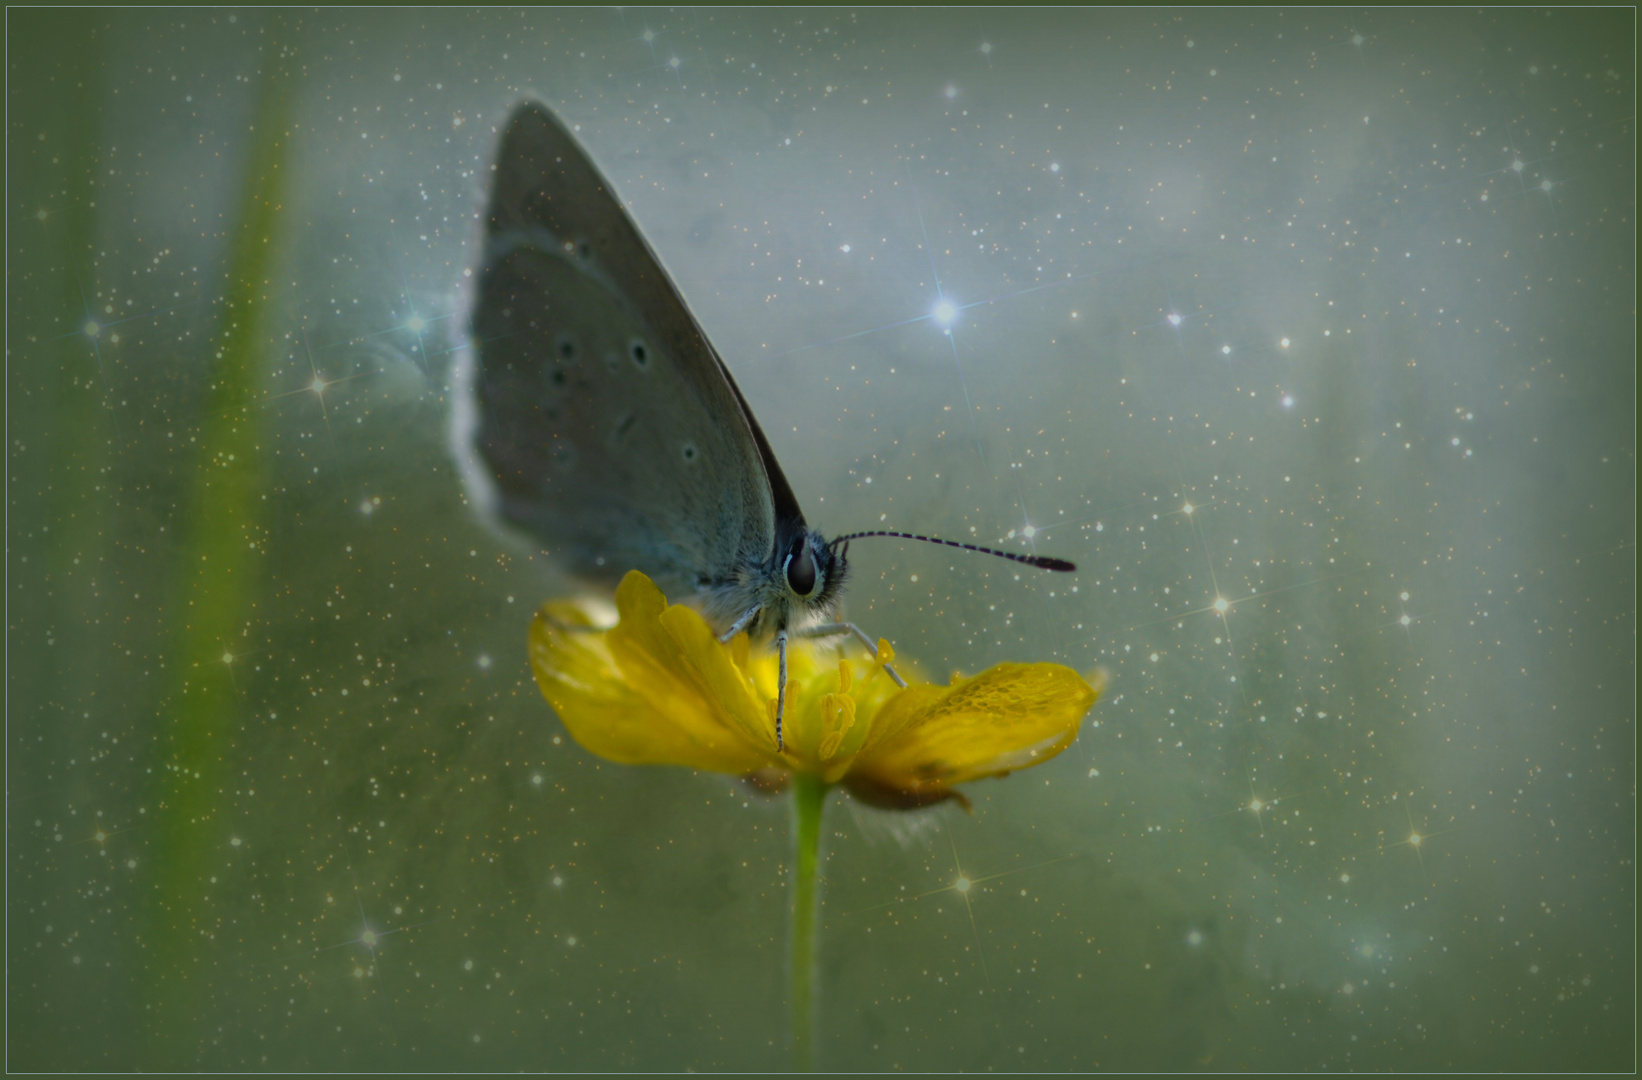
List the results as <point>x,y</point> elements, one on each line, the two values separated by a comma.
<point>1042,562</point>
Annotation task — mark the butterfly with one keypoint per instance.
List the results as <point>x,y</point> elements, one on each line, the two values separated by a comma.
<point>594,415</point>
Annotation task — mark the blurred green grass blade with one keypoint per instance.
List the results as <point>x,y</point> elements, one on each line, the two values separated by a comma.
<point>218,592</point>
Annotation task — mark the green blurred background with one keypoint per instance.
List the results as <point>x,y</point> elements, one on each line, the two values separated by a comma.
<point>1325,317</point>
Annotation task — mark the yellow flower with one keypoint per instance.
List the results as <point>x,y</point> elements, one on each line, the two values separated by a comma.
<point>659,688</point>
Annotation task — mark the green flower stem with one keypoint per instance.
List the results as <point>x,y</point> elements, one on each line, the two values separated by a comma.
<point>809,798</point>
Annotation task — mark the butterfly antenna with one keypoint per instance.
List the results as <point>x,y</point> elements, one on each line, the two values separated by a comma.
<point>1042,562</point>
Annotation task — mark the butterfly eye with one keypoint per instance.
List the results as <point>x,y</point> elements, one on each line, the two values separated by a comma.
<point>801,571</point>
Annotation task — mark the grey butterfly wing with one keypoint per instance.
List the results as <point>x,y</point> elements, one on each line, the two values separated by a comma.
<point>607,425</point>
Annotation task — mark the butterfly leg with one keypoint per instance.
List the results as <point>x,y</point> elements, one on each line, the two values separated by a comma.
<point>780,687</point>
<point>740,624</point>
<point>829,629</point>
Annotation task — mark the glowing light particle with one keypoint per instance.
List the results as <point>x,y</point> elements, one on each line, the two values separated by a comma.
<point>1195,938</point>
<point>1222,605</point>
<point>1225,350</point>
<point>1174,320</point>
<point>962,884</point>
<point>417,324</point>
<point>1288,401</point>
<point>1284,343</point>
<point>90,328</point>
<point>1406,620</point>
<point>945,312</point>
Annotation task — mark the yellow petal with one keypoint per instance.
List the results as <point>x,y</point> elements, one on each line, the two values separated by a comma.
<point>722,682</point>
<point>632,695</point>
<point>1006,718</point>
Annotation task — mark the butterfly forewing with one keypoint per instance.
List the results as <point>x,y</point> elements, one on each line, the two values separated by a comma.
<point>607,425</point>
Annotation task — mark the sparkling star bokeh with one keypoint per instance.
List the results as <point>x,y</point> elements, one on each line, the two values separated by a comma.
<point>1309,336</point>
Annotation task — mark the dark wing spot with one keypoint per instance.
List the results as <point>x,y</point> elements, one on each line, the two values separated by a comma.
<point>689,451</point>
<point>567,347</point>
<point>639,351</point>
